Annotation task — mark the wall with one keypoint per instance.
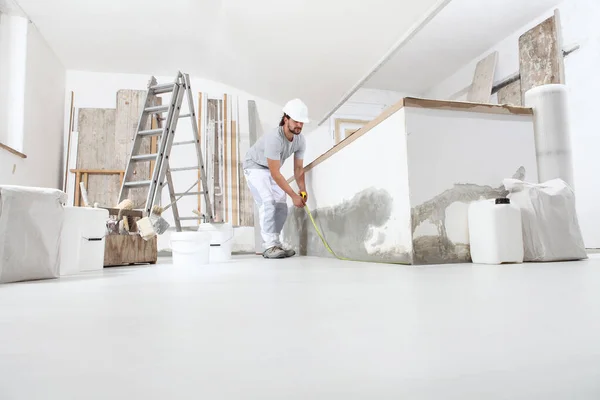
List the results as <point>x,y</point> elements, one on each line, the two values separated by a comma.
<point>43,126</point>
<point>579,20</point>
<point>13,70</point>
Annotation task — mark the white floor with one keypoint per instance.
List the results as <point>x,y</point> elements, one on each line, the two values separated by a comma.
<point>305,328</point>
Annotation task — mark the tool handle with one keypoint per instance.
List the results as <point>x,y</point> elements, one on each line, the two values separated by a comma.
<point>303,195</point>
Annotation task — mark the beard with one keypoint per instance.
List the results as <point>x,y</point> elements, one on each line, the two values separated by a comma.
<point>295,131</point>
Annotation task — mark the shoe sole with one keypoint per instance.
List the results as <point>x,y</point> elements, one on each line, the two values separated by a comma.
<point>275,258</point>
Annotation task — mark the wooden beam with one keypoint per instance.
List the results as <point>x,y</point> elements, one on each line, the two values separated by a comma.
<point>71,112</point>
<point>202,147</point>
<point>234,176</point>
<point>77,190</point>
<point>13,151</point>
<point>97,171</point>
<point>225,158</point>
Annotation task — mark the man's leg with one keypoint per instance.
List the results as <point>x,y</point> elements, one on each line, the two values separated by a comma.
<point>259,182</point>
<point>281,211</point>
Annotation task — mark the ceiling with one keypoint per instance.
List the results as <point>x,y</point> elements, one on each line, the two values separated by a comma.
<point>312,49</point>
<point>460,32</point>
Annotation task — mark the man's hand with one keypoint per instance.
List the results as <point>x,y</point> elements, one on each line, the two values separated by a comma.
<point>298,201</point>
<point>304,196</point>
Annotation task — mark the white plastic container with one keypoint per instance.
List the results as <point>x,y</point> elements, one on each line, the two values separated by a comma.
<point>82,240</point>
<point>190,248</point>
<point>495,232</point>
<point>221,240</point>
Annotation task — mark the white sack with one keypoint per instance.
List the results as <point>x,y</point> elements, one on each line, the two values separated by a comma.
<point>550,226</point>
<point>30,229</point>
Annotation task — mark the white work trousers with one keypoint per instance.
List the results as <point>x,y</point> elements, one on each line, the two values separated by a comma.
<point>272,206</point>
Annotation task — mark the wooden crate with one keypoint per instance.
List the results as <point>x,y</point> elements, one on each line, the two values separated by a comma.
<point>129,249</point>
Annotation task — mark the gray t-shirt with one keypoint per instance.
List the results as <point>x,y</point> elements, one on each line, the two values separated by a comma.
<point>274,145</point>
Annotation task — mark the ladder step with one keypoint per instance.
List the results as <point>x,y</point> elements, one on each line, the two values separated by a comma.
<point>144,157</point>
<point>157,109</point>
<point>190,218</point>
<point>189,194</point>
<point>137,183</point>
<point>184,143</point>
<point>184,169</point>
<point>185,116</point>
<point>151,132</point>
<point>163,88</point>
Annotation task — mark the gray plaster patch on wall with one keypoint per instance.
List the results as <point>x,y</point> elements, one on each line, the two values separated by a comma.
<point>440,249</point>
<point>346,227</point>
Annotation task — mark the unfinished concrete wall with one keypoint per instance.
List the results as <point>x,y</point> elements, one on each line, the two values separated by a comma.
<point>456,157</point>
<point>398,190</point>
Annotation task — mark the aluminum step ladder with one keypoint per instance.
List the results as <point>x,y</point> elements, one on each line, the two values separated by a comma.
<point>168,117</point>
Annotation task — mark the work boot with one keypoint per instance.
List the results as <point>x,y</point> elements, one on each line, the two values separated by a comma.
<point>274,252</point>
<point>289,252</point>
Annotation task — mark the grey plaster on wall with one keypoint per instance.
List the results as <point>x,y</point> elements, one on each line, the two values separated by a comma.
<point>440,249</point>
<point>346,227</point>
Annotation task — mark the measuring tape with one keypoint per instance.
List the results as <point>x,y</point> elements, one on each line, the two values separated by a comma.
<point>303,194</point>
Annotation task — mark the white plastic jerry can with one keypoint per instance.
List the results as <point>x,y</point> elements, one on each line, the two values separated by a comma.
<point>495,232</point>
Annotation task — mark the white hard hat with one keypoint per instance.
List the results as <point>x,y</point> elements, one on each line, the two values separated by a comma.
<point>297,110</point>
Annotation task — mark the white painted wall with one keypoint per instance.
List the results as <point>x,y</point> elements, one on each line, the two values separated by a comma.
<point>580,26</point>
<point>13,68</point>
<point>43,120</point>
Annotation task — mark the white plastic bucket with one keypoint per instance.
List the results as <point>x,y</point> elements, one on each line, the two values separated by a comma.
<point>190,248</point>
<point>221,240</point>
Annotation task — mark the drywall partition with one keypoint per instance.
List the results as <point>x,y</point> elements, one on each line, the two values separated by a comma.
<point>43,122</point>
<point>397,191</point>
<point>358,195</point>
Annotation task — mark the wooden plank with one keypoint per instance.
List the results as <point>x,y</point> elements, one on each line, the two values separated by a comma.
<point>200,125</point>
<point>130,105</point>
<point>214,121</point>
<point>225,158</point>
<point>70,134</point>
<point>234,176</point>
<point>77,189</point>
<point>465,106</point>
<point>125,213</point>
<point>483,81</point>
<point>96,149</point>
<point>540,57</point>
<point>129,249</point>
<point>247,205</point>
<point>510,94</point>
<point>98,171</point>
<point>13,151</point>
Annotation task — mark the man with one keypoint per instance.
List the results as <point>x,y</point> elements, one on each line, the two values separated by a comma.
<point>268,186</point>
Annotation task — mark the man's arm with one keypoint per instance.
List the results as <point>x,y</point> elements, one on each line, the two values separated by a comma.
<point>278,177</point>
<point>299,173</point>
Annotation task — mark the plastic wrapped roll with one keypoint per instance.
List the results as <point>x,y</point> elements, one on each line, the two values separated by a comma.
<point>552,132</point>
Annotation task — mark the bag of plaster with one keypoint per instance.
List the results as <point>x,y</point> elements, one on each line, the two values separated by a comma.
<point>551,229</point>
